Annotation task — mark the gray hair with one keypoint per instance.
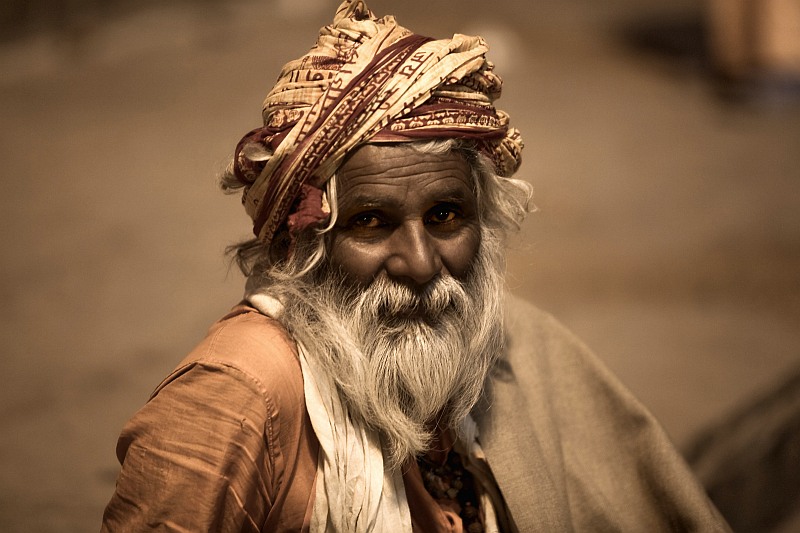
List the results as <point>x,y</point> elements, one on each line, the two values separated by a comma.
<point>503,204</point>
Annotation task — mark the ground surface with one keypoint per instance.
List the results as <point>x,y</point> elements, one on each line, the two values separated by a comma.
<point>667,237</point>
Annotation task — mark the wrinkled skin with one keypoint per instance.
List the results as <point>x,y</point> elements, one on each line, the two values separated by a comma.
<point>411,215</point>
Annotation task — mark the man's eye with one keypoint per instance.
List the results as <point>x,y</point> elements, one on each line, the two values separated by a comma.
<point>365,220</point>
<point>442,214</point>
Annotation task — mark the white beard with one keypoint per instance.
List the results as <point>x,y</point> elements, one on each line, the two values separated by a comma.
<point>404,362</point>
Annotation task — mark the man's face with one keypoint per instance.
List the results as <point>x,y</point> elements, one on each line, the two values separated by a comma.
<point>408,214</point>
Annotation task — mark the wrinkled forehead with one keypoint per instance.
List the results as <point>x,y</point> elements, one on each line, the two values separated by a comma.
<point>394,175</point>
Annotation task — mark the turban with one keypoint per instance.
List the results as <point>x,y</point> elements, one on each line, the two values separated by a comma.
<point>366,79</point>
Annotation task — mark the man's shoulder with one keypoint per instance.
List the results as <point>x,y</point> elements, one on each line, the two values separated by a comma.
<point>543,355</point>
<point>246,337</point>
<point>531,330</point>
<point>250,345</point>
<point>586,437</point>
<point>522,316</point>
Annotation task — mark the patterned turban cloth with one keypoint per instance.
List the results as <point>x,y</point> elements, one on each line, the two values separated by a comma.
<point>367,79</point>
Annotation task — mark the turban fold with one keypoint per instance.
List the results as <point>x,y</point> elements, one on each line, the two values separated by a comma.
<point>366,79</point>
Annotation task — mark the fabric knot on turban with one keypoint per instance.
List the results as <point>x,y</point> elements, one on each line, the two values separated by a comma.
<point>367,79</point>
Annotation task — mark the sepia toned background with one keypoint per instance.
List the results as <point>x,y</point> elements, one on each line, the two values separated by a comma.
<point>667,234</point>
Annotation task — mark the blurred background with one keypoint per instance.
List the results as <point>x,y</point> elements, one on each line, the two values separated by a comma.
<point>663,141</point>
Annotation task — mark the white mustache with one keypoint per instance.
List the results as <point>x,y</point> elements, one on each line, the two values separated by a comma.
<point>390,299</point>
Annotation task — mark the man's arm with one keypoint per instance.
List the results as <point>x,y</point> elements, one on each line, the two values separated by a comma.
<point>196,457</point>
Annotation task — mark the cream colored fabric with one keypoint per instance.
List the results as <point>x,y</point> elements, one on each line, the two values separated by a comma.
<point>353,490</point>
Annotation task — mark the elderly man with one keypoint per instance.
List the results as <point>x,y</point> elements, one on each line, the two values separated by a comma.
<point>376,378</point>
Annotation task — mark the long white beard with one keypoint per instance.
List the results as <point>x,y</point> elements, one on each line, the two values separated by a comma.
<point>405,362</point>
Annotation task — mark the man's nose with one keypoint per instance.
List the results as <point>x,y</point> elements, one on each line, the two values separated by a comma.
<point>414,256</point>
